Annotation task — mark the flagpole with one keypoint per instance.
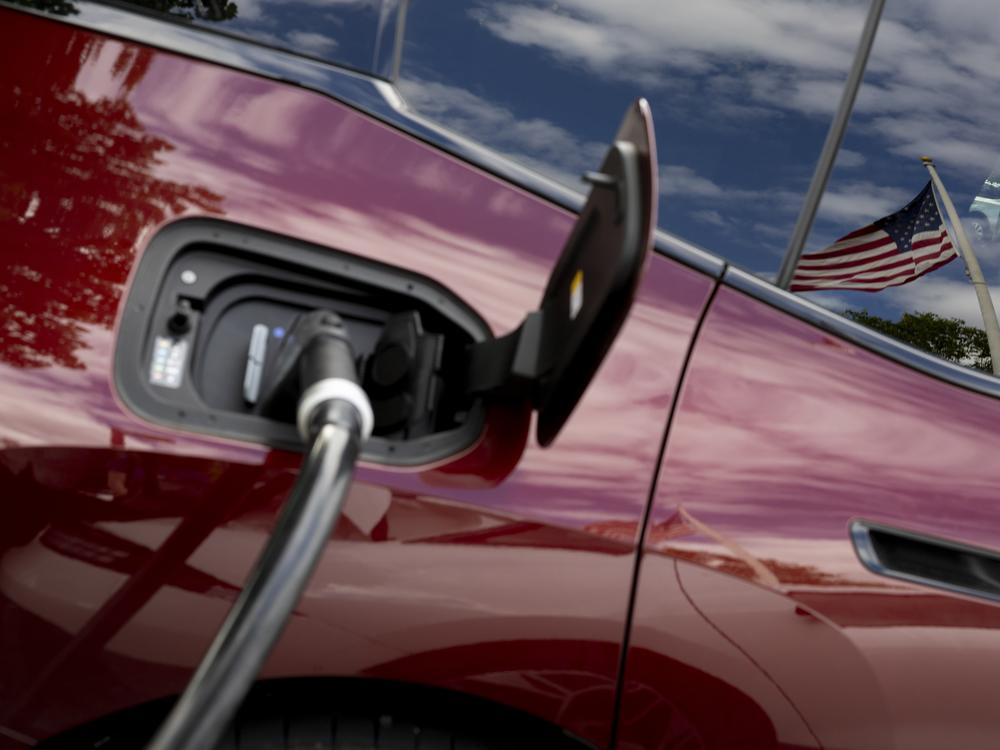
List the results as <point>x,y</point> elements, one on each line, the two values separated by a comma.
<point>972,265</point>
<point>834,137</point>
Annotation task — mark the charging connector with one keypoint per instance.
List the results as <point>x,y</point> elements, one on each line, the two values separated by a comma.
<point>316,368</point>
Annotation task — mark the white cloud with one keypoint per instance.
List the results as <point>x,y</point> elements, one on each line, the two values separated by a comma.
<point>681,180</point>
<point>558,152</point>
<point>772,231</point>
<point>641,37</point>
<point>709,216</point>
<point>948,297</point>
<point>535,142</point>
<point>852,204</point>
<point>932,83</point>
<point>931,86</point>
<point>311,42</point>
<point>848,159</point>
<point>684,182</point>
<point>795,89</point>
<point>768,276</point>
<point>738,59</point>
<point>833,302</point>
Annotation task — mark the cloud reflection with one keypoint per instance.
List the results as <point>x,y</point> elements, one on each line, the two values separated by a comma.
<point>73,213</point>
<point>741,94</point>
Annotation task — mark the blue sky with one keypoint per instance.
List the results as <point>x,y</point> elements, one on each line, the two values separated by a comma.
<point>742,92</point>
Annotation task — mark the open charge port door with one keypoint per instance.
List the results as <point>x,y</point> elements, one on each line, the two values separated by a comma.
<point>212,303</point>
<point>236,332</point>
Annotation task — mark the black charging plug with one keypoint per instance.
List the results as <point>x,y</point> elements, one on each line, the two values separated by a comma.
<point>314,369</point>
<point>316,349</point>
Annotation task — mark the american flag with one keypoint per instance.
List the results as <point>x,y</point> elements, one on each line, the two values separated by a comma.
<point>894,250</point>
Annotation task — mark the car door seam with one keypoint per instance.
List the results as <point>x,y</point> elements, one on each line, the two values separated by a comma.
<point>647,510</point>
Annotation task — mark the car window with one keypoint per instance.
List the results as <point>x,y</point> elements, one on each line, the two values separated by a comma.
<point>356,33</point>
<point>742,93</point>
<point>931,89</point>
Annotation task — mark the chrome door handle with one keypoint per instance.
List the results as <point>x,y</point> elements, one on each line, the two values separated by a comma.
<point>927,560</point>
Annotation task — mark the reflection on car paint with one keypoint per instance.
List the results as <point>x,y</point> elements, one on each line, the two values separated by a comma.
<point>426,560</point>
<point>784,434</point>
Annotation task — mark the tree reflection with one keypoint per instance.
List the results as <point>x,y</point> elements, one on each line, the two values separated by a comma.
<point>78,188</point>
<point>948,338</point>
<point>189,10</point>
<point>203,10</point>
<point>56,7</point>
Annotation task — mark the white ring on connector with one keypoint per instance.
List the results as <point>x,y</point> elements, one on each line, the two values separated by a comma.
<point>335,388</point>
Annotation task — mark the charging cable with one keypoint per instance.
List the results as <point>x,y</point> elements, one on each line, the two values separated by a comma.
<point>334,418</point>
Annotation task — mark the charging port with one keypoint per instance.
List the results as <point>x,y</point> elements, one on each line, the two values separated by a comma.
<point>213,303</point>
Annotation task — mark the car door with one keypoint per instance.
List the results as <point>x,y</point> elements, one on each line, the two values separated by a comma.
<point>819,563</point>
<point>789,440</point>
<point>126,537</point>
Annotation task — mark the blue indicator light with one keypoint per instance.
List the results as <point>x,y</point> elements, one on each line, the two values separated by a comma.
<point>278,332</point>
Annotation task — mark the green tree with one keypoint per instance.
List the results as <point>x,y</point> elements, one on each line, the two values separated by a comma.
<point>948,338</point>
<point>189,10</point>
<point>75,196</point>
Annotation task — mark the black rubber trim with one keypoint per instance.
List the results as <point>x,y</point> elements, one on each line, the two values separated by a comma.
<point>372,96</point>
<point>156,405</point>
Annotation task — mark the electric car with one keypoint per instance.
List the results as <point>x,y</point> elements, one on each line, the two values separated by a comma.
<point>732,519</point>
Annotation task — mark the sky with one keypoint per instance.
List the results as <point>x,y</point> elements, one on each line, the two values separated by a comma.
<point>742,93</point>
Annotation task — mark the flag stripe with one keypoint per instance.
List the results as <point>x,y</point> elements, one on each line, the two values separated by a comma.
<point>878,275</point>
<point>931,240</point>
<point>867,285</point>
<point>891,260</point>
<point>939,252</point>
<point>884,276</point>
<point>943,262</point>
<point>884,273</point>
<point>866,257</point>
<point>893,250</point>
<point>849,260</point>
<point>875,240</point>
<point>861,238</point>
<point>883,259</point>
<point>859,286</point>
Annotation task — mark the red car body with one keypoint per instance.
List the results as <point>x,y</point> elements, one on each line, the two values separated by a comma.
<point>715,463</point>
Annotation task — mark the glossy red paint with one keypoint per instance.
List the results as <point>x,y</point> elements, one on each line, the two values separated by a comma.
<point>124,542</point>
<point>782,435</point>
